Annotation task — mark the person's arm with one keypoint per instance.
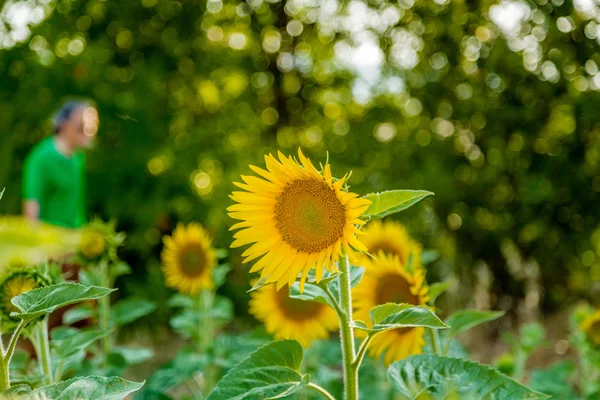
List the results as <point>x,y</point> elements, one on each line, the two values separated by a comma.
<point>33,187</point>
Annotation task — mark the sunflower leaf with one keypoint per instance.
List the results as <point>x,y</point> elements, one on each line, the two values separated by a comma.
<point>38,302</point>
<point>88,387</point>
<point>311,293</point>
<point>436,289</point>
<point>392,201</point>
<point>262,282</point>
<point>435,377</point>
<point>392,316</point>
<point>464,320</point>
<point>131,309</point>
<point>70,345</point>
<point>269,373</point>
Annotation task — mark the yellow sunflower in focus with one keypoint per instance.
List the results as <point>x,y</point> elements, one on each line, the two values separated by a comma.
<point>392,239</point>
<point>288,318</point>
<point>93,244</point>
<point>189,259</point>
<point>591,327</point>
<point>296,219</point>
<point>386,280</point>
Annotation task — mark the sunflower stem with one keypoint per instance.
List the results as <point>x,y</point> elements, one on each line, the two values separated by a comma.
<point>4,375</point>
<point>332,298</point>
<point>321,390</point>
<point>104,311</point>
<point>435,342</point>
<point>347,332</point>
<point>362,350</point>
<point>43,347</point>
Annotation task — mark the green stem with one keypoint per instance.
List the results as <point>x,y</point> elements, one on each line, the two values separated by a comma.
<point>104,310</point>
<point>520,361</point>
<point>4,375</point>
<point>59,371</point>
<point>347,332</point>
<point>206,336</point>
<point>13,342</point>
<point>334,301</point>
<point>321,390</point>
<point>44,350</point>
<point>435,341</point>
<point>362,350</point>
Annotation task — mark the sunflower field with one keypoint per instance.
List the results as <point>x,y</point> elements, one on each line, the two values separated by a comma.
<point>363,199</point>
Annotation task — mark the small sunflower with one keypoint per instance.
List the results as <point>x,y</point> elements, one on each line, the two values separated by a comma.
<point>591,327</point>
<point>288,318</point>
<point>391,238</point>
<point>92,244</point>
<point>100,240</point>
<point>386,280</point>
<point>296,219</point>
<point>19,279</point>
<point>189,259</point>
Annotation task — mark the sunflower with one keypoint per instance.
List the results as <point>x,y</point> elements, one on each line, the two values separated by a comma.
<point>19,279</point>
<point>296,219</point>
<point>386,280</point>
<point>391,238</point>
<point>92,244</point>
<point>189,259</point>
<point>288,318</point>
<point>591,327</point>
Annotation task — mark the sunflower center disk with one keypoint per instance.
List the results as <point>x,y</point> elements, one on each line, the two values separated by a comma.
<point>192,261</point>
<point>395,289</point>
<point>297,310</point>
<point>387,248</point>
<point>309,216</point>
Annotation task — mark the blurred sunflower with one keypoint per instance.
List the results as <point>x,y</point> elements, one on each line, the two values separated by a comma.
<point>391,238</point>
<point>189,259</point>
<point>386,280</point>
<point>591,327</point>
<point>99,239</point>
<point>288,318</point>
<point>19,279</point>
<point>296,219</point>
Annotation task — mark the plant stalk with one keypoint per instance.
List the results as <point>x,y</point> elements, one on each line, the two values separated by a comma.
<point>206,336</point>
<point>43,347</point>
<point>104,310</point>
<point>347,332</point>
<point>321,390</point>
<point>4,375</point>
<point>435,342</point>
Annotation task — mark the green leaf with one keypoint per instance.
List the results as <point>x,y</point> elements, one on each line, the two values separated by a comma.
<point>464,320</point>
<point>428,376</point>
<point>2,193</point>
<point>88,387</point>
<point>131,309</point>
<point>179,369</point>
<point>220,274</point>
<point>556,380</point>
<point>392,316</point>
<point>393,201</point>
<point>38,302</point>
<point>133,355</point>
<point>119,269</point>
<point>182,300</point>
<point>269,372</point>
<point>428,256</point>
<point>69,346</point>
<point>311,293</point>
<point>78,313</point>
<point>436,289</point>
<point>262,282</point>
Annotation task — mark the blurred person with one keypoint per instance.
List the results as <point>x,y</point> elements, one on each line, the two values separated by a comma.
<point>54,177</point>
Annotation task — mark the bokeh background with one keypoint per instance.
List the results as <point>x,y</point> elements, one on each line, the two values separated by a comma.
<point>494,106</point>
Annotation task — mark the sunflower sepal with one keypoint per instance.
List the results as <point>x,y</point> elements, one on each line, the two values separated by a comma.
<point>392,201</point>
<point>394,315</point>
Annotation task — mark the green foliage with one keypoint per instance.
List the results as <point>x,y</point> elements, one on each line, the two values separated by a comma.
<point>38,302</point>
<point>89,388</point>
<point>270,372</point>
<point>463,320</point>
<point>392,316</point>
<point>555,380</point>
<point>76,342</point>
<point>447,378</point>
<point>131,309</point>
<point>393,201</point>
<point>437,289</point>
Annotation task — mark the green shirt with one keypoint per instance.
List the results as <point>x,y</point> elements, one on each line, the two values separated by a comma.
<point>57,183</point>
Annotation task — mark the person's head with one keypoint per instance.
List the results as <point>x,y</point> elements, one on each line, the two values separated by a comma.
<point>77,123</point>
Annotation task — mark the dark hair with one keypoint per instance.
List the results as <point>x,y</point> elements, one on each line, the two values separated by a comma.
<point>65,112</point>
